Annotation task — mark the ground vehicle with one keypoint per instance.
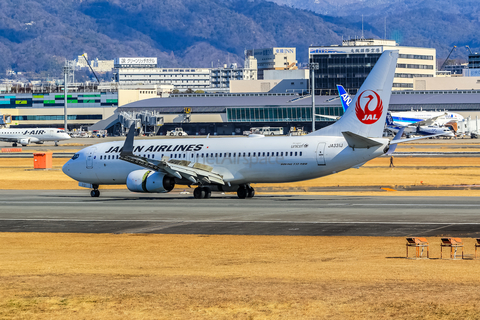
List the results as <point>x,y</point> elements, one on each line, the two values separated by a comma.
<point>266,131</point>
<point>177,132</point>
<point>99,133</point>
<point>297,131</point>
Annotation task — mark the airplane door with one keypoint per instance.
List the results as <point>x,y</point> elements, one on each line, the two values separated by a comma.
<point>90,157</point>
<point>321,154</point>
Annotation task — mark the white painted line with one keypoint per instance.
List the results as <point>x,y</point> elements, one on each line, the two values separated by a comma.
<point>252,221</point>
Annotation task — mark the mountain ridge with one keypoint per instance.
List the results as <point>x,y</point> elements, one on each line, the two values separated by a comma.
<point>38,35</point>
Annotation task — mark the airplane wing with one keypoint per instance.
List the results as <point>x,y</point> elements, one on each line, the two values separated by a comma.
<point>413,139</point>
<point>427,122</point>
<point>180,169</point>
<point>328,117</point>
<point>8,139</point>
<point>19,139</point>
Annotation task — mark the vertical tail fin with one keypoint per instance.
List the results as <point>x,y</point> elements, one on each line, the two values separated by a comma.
<point>366,116</point>
<point>344,97</point>
<point>389,119</point>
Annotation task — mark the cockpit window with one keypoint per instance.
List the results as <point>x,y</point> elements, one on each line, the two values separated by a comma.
<point>75,156</point>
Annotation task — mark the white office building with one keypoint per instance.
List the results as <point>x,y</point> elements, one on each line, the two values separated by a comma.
<point>221,77</point>
<point>144,71</point>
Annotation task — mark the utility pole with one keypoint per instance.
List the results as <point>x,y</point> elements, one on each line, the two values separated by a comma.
<point>313,66</point>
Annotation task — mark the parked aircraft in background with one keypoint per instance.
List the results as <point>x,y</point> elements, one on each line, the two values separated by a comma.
<point>37,135</point>
<point>232,164</point>
<point>419,129</point>
<point>429,118</point>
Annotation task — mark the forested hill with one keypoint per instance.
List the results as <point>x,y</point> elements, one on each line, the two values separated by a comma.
<point>37,35</point>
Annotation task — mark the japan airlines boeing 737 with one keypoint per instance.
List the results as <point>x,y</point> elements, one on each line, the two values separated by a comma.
<point>37,135</point>
<point>232,164</point>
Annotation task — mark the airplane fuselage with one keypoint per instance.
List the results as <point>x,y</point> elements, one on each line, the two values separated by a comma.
<point>238,160</point>
<point>32,135</point>
<point>409,117</point>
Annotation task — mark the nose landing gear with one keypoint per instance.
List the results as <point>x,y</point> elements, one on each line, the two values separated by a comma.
<point>95,193</point>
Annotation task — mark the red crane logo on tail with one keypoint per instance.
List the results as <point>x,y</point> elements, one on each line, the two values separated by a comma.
<point>369,107</point>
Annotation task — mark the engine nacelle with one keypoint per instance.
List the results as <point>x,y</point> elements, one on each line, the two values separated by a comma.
<point>24,141</point>
<point>149,181</point>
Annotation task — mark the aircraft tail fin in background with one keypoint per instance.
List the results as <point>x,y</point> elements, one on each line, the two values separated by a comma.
<point>344,97</point>
<point>369,108</point>
<point>389,119</point>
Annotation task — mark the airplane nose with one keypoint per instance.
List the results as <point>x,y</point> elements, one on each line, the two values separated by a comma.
<point>66,168</point>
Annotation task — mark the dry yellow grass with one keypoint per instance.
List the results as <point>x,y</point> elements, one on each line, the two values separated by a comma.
<point>45,276</point>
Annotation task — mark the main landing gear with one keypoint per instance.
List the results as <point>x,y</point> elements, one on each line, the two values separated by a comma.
<point>202,193</point>
<point>245,191</point>
<point>95,193</point>
<point>14,144</point>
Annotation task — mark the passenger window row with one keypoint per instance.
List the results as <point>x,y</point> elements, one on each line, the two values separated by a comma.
<point>217,155</point>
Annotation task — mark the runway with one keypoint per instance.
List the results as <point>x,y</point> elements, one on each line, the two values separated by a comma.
<point>119,211</point>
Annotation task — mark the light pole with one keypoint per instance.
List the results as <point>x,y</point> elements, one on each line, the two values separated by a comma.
<point>66,70</point>
<point>313,66</point>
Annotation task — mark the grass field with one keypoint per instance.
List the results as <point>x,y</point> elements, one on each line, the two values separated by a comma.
<point>139,276</point>
<point>86,276</point>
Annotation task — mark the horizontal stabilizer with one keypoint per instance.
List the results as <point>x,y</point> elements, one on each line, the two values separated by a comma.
<point>357,141</point>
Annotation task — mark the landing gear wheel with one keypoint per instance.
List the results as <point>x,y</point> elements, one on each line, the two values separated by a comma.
<point>95,193</point>
<point>250,192</point>
<point>202,193</point>
<point>242,192</point>
<point>199,193</point>
<point>208,193</point>
<point>14,144</point>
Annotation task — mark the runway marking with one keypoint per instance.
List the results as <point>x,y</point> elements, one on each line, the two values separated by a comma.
<point>109,202</point>
<point>442,227</point>
<point>256,221</point>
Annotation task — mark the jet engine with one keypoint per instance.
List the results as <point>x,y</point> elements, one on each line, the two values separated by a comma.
<point>24,141</point>
<point>149,181</point>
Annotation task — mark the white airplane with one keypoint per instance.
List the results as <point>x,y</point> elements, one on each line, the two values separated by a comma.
<point>420,128</point>
<point>232,164</point>
<point>428,118</point>
<point>37,135</point>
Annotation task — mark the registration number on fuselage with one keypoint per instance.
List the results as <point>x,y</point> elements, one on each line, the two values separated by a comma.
<point>336,145</point>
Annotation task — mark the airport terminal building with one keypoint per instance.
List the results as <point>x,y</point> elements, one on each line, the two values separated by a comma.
<point>227,114</point>
<point>349,64</point>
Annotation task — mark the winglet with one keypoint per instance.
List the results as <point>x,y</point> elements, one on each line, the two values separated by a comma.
<point>398,136</point>
<point>128,145</point>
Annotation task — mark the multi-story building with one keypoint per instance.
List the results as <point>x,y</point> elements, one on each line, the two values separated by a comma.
<point>221,77</point>
<point>473,68</point>
<point>135,71</point>
<point>39,109</point>
<point>455,68</point>
<point>273,59</point>
<point>350,64</point>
